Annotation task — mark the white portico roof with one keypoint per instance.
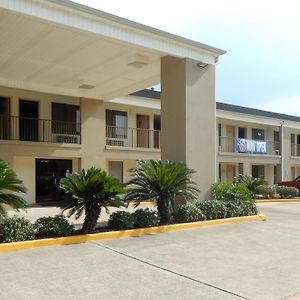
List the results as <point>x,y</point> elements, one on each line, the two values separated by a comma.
<point>56,46</point>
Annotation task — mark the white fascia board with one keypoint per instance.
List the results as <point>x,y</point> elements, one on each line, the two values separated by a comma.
<point>256,119</point>
<point>84,18</point>
<point>137,101</point>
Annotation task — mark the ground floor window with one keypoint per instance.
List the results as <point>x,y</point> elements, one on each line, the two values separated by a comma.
<point>258,171</point>
<point>115,169</point>
<point>241,168</point>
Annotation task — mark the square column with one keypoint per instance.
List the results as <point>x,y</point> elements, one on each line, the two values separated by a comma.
<point>93,137</point>
<point>285,153</point>
<point>188,116</point>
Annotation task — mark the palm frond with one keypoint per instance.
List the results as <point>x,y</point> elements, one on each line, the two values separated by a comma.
<point>10,185</point>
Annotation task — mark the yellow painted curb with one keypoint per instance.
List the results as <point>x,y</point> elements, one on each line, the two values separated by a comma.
<point>120,234</point>
<point>276,200</point>
<point>142,203</point>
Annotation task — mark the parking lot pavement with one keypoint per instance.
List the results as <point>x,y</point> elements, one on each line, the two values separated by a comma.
<point>256,260</point>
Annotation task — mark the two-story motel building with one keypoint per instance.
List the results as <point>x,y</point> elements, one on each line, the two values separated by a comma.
<point>65,72</point>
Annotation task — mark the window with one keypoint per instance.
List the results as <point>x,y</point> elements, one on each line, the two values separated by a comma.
<point>242,133</point>
<point>116,122</point>
<point>220,134</point>
<point>258,134</point>
<point>66,118</point>
<point>276,169</point>
<point>276,136</point>
<point>258,171</point>
<point>241,168</point>
<point>115,169</point>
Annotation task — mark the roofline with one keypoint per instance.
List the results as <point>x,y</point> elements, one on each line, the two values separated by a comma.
<point>255,112</point>
<point>152,94</point>
<point>136,25</point>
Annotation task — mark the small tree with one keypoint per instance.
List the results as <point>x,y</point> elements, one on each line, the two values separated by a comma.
<point>9,186</point>
<point>161,181</point>
<point>88,191</point>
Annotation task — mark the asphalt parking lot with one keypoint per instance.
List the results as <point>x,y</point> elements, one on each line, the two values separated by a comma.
<point>256,260</point>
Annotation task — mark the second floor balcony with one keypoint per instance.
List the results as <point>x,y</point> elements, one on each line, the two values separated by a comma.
<point>132,137</point>
<point>247,146</point>
<point>39,130</point>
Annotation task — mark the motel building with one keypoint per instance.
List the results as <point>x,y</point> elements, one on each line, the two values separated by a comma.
<point>73,95</point>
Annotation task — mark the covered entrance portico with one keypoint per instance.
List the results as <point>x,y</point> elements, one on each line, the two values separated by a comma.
<point>63,48</point>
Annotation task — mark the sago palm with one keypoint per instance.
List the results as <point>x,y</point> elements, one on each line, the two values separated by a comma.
<point>10,185</point>
<point>161,181</point>
<point>250,182</point>
<point>87,192</point>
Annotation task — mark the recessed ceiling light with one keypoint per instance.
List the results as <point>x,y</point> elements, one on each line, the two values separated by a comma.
<point>86,86</point>
<point>138,61</point>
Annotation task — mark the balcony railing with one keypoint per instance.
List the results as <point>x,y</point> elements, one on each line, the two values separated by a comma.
<point>39,130</point>
<point>237,145</point>
<point>295,149</point>
<point>132,137</point>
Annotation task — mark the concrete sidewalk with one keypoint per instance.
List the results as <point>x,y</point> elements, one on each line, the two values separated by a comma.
<point>257,260</point>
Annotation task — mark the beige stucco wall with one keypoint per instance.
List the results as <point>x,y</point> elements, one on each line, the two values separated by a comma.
<point>25,169</point>
<point>180,118</point>
<point>21,155</point>
<point>286,154</point>
<point>226,174</point>
<point>189,118</point>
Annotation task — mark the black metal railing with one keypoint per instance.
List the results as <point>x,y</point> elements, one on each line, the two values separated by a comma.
<point>39,130</point>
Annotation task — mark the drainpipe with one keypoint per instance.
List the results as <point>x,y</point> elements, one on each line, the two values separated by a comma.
<point>282,150</point>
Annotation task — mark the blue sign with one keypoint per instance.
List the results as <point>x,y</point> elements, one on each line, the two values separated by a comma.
<point>250,146</point>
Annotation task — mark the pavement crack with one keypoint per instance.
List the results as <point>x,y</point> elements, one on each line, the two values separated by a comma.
<point>170,271</point>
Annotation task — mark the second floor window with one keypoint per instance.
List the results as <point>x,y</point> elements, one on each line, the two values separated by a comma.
<point>65,118</point>
<point>258,134</point>
<point>117,123</point>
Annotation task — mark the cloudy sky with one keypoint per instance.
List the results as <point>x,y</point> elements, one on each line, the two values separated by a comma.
<point>262,37</point>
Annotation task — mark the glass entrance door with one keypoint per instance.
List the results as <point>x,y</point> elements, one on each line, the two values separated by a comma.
<point>48,174</point>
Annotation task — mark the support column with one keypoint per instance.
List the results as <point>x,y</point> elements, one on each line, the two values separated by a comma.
<point>269,174</point>
<point>188,113</point>
<point>92,133</point>
<point>285,153</point>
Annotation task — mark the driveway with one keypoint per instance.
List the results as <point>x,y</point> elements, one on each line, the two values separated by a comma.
<point>257,260</point>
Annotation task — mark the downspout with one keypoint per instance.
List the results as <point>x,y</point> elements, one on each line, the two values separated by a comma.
<point>282,150</point>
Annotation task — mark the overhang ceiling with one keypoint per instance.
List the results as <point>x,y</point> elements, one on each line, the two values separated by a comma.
<point>43,56</point>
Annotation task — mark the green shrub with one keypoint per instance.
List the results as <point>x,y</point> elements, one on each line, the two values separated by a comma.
<point>231,191</point>
<point>266,190</point>
<point>121,220</point>
<point>53,226</point>
<point>16,229</point>
<point>239,208</point>
<point>250,182</point>
<point>213,209</point>
<point>188,213</point>
<point>286,191</point>
<point>145,218</point>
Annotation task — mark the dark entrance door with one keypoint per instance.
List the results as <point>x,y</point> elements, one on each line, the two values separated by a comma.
<point>28,124</point>
<point>4,119</point>
<point>48,174</point>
